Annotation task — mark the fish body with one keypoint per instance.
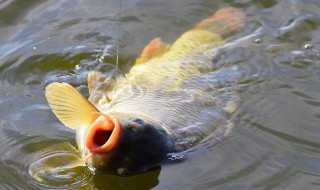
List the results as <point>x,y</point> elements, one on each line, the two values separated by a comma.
<point>170,100</point>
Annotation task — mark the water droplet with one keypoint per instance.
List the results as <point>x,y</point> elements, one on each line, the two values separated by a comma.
<point>121,171</point>
<point>175,157</point>
<point>101,58</point>
<point>308,46</point>
<point>257,41</point>
<point>34,48</point>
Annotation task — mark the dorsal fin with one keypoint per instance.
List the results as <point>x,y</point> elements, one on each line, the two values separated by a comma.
<point>208,34</point>
<point>70,106</point>
<point>155,48</point>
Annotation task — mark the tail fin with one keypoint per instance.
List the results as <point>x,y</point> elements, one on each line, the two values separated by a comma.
<point>223,22</point>
<point>210,32</point>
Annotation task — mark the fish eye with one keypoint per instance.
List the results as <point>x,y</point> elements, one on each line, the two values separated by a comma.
<point>138,121</point>
<point>133,128</point>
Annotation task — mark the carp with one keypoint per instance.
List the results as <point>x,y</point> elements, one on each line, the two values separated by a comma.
<point>170,100</point>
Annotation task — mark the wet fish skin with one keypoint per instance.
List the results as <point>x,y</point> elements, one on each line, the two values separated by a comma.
<point>141,145</point>
<point>166,103</point>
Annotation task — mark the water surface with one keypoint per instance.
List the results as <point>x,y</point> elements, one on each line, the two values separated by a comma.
<point>275,143</point>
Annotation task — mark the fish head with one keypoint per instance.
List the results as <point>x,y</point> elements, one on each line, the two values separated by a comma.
<point>125,145</point>
<point>110,142</point>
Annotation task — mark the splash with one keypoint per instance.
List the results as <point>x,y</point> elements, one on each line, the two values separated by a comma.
<point>60,163</point>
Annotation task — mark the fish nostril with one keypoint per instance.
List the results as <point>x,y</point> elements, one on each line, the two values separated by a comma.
<point>101,137</point>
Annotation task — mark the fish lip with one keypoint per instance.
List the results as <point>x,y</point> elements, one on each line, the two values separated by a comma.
<point>130,152</point>
<point>106,123</point>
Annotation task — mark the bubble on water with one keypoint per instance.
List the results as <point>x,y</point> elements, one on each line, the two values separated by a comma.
<point>121,171</point>
<point>34,47</point>
<point>101,58</point>
<point>257,41</point>
<point>77,67</point>
<point>308,46</point>
<point>175,157</point>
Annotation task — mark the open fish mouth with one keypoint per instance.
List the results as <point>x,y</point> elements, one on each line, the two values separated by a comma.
<point>172,70</point>
<point>103,135</point>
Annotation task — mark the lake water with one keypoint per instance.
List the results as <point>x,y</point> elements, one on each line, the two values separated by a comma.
<point>275,143</point>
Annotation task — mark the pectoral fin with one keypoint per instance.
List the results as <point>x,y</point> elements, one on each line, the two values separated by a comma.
<point>70,106</point>
<point>93,79</point>
<point>155,48</point>
<point>99,86</point>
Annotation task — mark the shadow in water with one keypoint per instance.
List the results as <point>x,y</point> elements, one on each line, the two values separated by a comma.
<point>147,180</point>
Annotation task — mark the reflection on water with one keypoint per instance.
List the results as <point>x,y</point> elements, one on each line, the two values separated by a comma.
<point>275,141</point>
<point>143,181</point>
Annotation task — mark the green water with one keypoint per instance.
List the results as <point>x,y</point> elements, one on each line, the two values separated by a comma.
<point>275,143</point>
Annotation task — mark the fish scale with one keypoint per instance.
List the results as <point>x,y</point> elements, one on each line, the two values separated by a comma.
<point>194,94</point>
<point>171,99</point>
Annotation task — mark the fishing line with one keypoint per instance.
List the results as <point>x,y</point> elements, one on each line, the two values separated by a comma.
<point>117,52</point>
